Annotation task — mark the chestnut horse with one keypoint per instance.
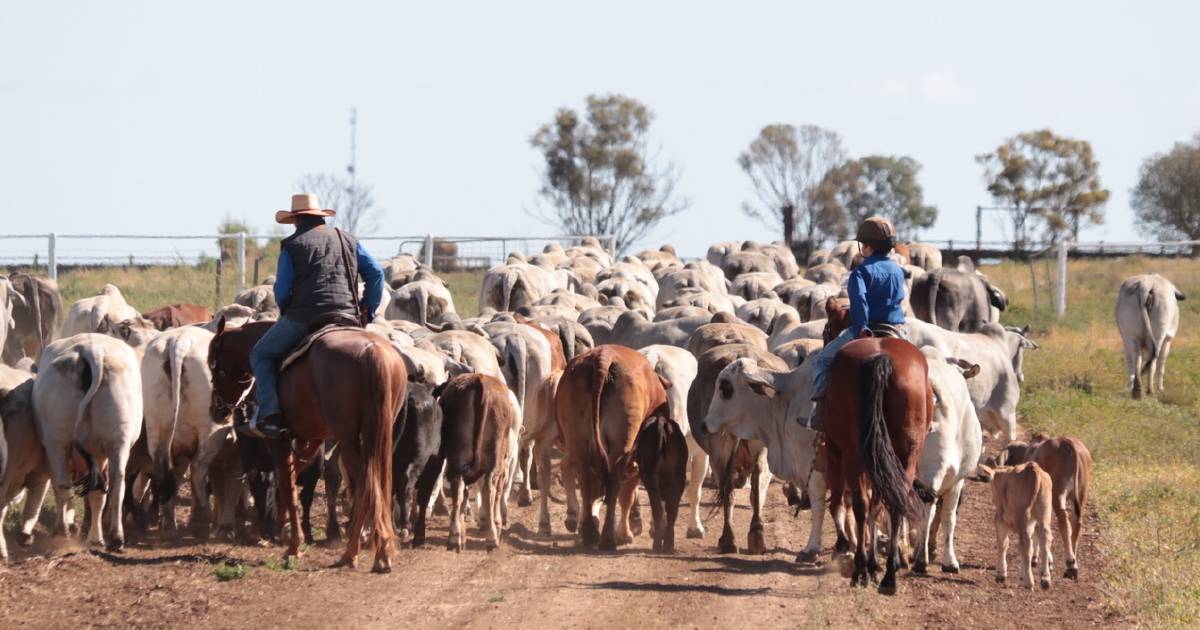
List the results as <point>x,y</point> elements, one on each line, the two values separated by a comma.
<point>876,414</point>
<point>350,387</point>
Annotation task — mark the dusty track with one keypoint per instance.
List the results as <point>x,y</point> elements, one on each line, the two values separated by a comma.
<point>535,582</point>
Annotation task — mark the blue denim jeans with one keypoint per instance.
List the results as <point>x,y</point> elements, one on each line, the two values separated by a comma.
<point>824,360</point>
<point>265,357</point>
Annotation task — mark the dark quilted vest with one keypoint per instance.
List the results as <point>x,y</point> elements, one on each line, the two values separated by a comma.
<point>322,285</point>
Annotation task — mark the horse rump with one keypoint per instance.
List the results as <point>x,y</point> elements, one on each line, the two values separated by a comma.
<point>879,458</point>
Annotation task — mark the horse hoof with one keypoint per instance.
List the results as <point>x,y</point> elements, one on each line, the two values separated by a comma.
<point>544,529</point>
<point>571,525</point>
<point>343,563</point>
<point>887,588</point>
<point>608,544</point>
<point>949,568</point>
<point>920,568</point>
<point>726,546</point>
<point>756,543</point>
<point>381,568</point>
<point>524,500</point>
<point>695,533</point>
<point>1072,573</point>
<point>808,556</point>
<point>116,545</point>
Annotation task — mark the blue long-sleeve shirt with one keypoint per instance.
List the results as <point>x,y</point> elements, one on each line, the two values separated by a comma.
<point>368,268</point>
<point>876,290</point>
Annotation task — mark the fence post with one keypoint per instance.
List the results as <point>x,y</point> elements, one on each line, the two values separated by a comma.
<point>52,258</point>
<point>217,294</point>
<point>429,251</point>
<point>241,261</point>
<point>1060,303</point>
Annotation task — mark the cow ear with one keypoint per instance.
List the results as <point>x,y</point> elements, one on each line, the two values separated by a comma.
<point>104,326</point>
<point>125,330</point>
<point>437,391</point>
<point>1029,344</point>
<point>986,473</point>
<point>968,369</point>
<point>762,389</point>
<point>220,325</point>
<point>832,307</point>
<point>666,383</point>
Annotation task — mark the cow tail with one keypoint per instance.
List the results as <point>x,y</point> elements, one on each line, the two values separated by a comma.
<point>164,481</point>
<point>517,354</point>
<point>90,380</point>
<point>507,284</point>
<point>603,365</point>
<point>485,411</point>
<point>879,459</point>
<point>37,313</point>
<point>1147,303</point>
<point>567,337</point>
<point>1080,494</point>
<point>375,430</point>
<point>931,292</point>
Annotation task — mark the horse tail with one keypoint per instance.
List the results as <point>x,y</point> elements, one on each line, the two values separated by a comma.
<point>90,379</point>
<point>375,433</point>
<point>603,363</point>
<point>164,481</point>
<point>879,459</point>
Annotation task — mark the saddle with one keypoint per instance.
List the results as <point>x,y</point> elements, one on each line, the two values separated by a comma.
<point>895,331</point>
<point>319,328</point>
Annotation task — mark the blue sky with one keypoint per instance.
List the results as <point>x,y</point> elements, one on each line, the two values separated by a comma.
<point>165,117</point>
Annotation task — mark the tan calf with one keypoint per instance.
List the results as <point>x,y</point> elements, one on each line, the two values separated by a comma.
<point>1069,465</point>
<point>1021,495</point>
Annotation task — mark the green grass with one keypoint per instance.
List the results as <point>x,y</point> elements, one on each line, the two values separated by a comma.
<point>230,572</point>
<point>147,288</point>
<point>1146,480</point>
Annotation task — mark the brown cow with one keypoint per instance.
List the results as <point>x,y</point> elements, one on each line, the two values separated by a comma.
<point>1069,464</point>
<point>603,399</point>
<point>481,420</point>
<point>177,315</point>
<point>1021,495</point>
<point>662,458</point>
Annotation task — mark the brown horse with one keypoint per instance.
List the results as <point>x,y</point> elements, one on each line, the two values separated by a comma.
<point>350,387</point>
<point>877,412</point>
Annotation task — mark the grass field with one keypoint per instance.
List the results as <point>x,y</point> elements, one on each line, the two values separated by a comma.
<point>1146,486</point>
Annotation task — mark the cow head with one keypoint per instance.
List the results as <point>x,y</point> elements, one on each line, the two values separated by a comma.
<point>1018,343</point>
<point>741,400</point>
<point>137,332</point>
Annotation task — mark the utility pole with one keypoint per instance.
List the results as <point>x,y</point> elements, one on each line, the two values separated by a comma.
<point>351,169</point>
<point>978,229</point>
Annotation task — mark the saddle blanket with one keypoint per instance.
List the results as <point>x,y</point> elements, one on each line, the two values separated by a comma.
<point>307,342</point>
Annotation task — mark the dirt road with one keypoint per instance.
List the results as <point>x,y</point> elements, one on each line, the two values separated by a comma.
<point>536,582</point>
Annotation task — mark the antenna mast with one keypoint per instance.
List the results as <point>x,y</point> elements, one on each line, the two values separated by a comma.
<point>353,146</point>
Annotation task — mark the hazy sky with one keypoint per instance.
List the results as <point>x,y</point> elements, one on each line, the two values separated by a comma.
<point>163,118</point>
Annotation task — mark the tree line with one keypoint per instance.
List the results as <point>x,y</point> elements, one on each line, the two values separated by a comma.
<point>602,175</point>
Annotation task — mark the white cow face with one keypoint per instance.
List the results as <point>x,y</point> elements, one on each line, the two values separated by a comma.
<point>742,394</point>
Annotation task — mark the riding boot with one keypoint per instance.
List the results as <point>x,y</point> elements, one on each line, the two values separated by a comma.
<point>269,427</point>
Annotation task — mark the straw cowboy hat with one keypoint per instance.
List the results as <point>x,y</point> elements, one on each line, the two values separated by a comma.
<point>303,204</point>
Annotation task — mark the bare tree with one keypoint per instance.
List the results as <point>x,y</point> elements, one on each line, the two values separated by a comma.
<point>353,200</point>
<point>785,165</point>
<point>599,176</point>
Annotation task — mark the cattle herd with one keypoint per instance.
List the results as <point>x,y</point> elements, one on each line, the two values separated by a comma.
<point>613,373</point>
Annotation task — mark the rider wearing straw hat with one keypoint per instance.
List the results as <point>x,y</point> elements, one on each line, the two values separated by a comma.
<point>317,278</point>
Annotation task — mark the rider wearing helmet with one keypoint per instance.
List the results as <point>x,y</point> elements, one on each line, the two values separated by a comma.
<point>876,290</point>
